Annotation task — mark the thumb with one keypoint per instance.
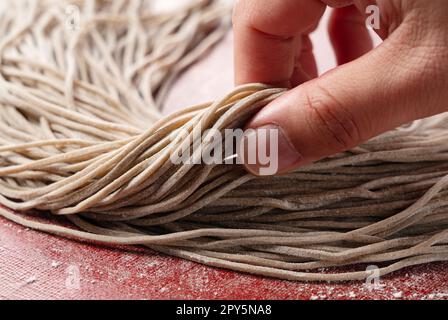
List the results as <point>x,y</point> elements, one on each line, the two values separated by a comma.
<point>390,86</point>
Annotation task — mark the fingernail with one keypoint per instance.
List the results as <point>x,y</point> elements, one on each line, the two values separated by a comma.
<point>268,151</point>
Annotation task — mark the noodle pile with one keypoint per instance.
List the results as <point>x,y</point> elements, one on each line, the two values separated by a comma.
<point>82,137</point>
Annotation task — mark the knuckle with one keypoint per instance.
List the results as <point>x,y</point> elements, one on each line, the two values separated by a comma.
<point>337,3</point>
<point>271,22</point>
<point>240,11</point>
<point>235,11</point>
<point>246,13</point>
<point>334,123</point>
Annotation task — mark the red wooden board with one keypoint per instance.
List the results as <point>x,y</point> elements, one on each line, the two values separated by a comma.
<point>34,265</point>
<point>39,266</point>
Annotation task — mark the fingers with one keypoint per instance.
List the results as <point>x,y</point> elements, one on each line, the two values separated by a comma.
<point>306,57</point>
<point>266,35</point>
<point>356,101</point>
<point>348,34</point>
<point>305,67</point>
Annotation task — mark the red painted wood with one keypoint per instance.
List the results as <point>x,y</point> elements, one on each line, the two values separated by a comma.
<point>34,265</point>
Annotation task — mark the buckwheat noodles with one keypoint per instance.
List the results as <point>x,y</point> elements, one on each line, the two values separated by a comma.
<point>82,137</point>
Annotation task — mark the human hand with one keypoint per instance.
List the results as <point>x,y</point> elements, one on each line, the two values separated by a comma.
<point>370,92</point>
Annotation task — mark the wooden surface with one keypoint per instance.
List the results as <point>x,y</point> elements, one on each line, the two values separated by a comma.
<point>39,266</point>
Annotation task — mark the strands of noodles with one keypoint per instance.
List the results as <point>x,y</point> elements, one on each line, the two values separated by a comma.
<point>82,137</point>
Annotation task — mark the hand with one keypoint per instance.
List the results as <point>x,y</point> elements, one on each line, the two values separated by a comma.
<point>370,92</point>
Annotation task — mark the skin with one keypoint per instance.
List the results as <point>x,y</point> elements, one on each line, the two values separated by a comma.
<point>370,92</point>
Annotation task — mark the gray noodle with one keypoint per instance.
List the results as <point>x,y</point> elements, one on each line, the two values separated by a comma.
<point>82,137</point>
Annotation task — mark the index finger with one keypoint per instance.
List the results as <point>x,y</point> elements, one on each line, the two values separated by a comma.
<point>265,37</point>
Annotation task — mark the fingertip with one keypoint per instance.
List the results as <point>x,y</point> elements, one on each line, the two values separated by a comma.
<point>266,151</point>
